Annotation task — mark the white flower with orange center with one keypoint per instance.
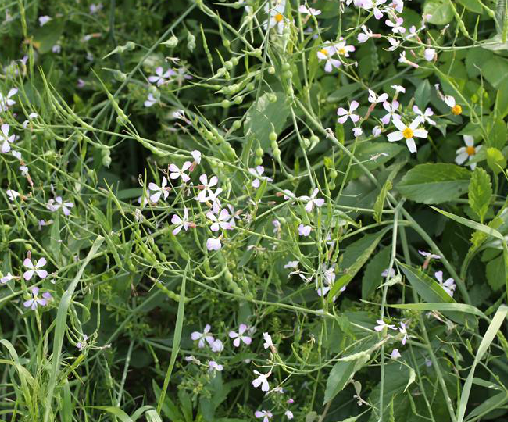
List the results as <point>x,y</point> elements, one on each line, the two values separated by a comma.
<point>467,152</point>
<point>408,133</point>
<point>450,102</point>
<point>275,9</point>
<point>327,53</point>
<point>343,49</point>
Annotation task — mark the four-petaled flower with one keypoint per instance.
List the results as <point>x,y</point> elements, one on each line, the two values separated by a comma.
<point>348,114</point>
<point>407,132</point>
<point>268,340</point>
<point>312,200</point>
<point>34,269</point>
<point>176,172</point>
<point>258,174</point>
<point>424,116</point>
<point>206,193</point>
<point>160,76</point>
<point>81,344</point>
<point>381,325</point>
<point>304,230</point>
<point>221,221</point>
<point>7,140</point>
<point>57,203</point>
<point>239,336</point>
<point>36,301</point>
<point>448,285</point>
<point>308,11</point>
<point>213,243</point>
<point>261,380</point>
<point>214,366</point>
<point>158,191</point>
<point>391,108</point>
<point>203,337</point>
<point>6,102</point>
<point>265,414</point>
<point>327,53</point>
<point>182,223</point>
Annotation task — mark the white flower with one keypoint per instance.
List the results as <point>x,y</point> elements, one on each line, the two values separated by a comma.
<point>469,151</point>
<point>216,345</point>
<point>206,193</point>
<point>57,203</point>
<point>94,8</point>
<point>403,330</point>
<point>394,44</point>
<point>265,414</point>
<point>376,131</point>
<point>182,223</point>
<point>395,354</point>
<point>240,336</point>
<point>214,366</point>
<point>197,156</point>
<point>176,172</point>
<point>258,174</point>
<point>425,116</point>
<point>289,414</point>
<point>203,337</point>
<point>326,53</point>
<point>160,76</point>
<point>429,54</point>
<point>448,285</point>
<point>219,222</point>
<point>343,49</point>
<point>407,132</point>
<point>396,26</point>
<point>151,100</point>
<point>9,277</point>
<point>357,131</point>
<point>312,200</point>
<point>213,244</point>
<point>376,99</point>
<point>391,108</point>
<point>81,344</point>
<point>34,269</point>
<point>398,88</point>
<point>276,14</point>
<point>304,230</point>
<point>6,102</point>
<point>56,49</point>
<point>381,325</point>
<point>162,190</point>
<point>345,114</point>
<point>268,341</point>
<point>261,380</point>
<point>7,140</point>
<point>429,255</point>
<point>308,11</point>
<point>365,35</point>
<point>12,194</point>
<point>43,20</point>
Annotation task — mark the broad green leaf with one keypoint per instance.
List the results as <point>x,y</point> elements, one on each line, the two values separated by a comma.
<point>44,38</point>
<point>440,10</point>
<point>422,94</point>
<point>427,288</point>
<point>492,403</point>
<point>372,277</point>
<point>496,70</point>
<point>496,160</point>
<point>497,136</point>
<point>502,100</point>
<point>266,116</point>
<point>434,183</point>
<point>480,192</point>
<point>496,323</point>
<point>340,375</point>
<point>354,258</point>
<point>472,5</point>
<point>496,273</point>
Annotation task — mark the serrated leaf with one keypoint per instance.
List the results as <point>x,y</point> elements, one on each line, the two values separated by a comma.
<point>480,192</point>
<point>434,183</point>
<point>380,201</point>
<point>440,10</point>
<point>265,116</point>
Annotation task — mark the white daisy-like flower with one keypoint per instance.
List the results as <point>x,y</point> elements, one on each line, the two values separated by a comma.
<point>407,132</point>
<point>468,151</point>
<point>343,49</point>
<point>276,13</point>
<point>326,53</point>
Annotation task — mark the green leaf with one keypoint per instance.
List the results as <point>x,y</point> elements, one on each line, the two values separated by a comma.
<point>266,116</point>
<point>354,258</point>
<point>502,100</point>
<point>341,374</point>
<point>495,160</point>
<point>454,307</point>
<point>372,277</point>
<point>496,70</point>
<point>47,36</point>
<point>422,94</point>
<point>480,192</point>
<point>440,10</point>
<point>428,288</point>
<point>492,403</point>
<point>472,5</point>
<point>434,183</point>
<point>496,273</point>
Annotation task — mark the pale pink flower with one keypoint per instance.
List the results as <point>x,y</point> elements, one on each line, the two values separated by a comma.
<point>151,100</point>
<point>6,102</point>
<point>160,76</point>
<point>57,203</point>
<point>36,301</point>
<point>220,221</point>
<point>7,140</point>
<point>348,114</point>
<point>240,336</point>
<point>206,193</point>
<point>429,54</point>
<point>12,194</point>
<point>448,285</point>
<point>395,354</point>
<point>158,191</point>
<point>182,223</point>
<point>392,109</point>
<point>197,156</point>
<point>381,325</point>
<point>176,172</point>
<point>203,337</point>
<point>304,230</point>
<point>289,414</point>
<point>213,243</point>
<point>424,116</point>
<point>6,279</point>
<point>258,174</point>
<point>403,330</point>
<point>265,414</point>
<point>326,54</point>
<point>34,269</point>
<point>261,380</point>
<point>43,20</point>
<point>312,200</point>
<point>268,341</point>
<point>376,99</point>
<point>214,366</point>
<point>308,11</point>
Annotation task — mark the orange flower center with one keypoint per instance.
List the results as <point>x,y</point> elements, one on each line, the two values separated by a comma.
<point>407,133</point>
<point>470,150</point>
<point>278,17</point>
<point>456,109</point>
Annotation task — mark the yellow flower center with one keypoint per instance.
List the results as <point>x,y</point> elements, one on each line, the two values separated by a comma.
<point>278,17</point>
<point>456,109</point>
<point>407,133</point>
<point>342,51</point>
<point>470,150</point>
<point>323,52</point>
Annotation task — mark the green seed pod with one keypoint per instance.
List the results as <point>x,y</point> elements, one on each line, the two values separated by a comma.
<point>272,98</point>
<point>314,139</point>
<point>305,143</point>
<point>272,136</point>
<point>334,174</point>
<point>250,86</point>
<point>239,100</point>
<point>287,74</point>
<point>130,45</point>
<point>226,103</point>
<point>235,60</point>
<point>228,65</point>
<point>257,53</point>
<point>259,152</point>
<point>258,161</point>
<point>276,154</point>
<point>271,70</point>
<point>172,42</point>
<point>237,124</point>
<point>286,66</point>
<point>226,43</point>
